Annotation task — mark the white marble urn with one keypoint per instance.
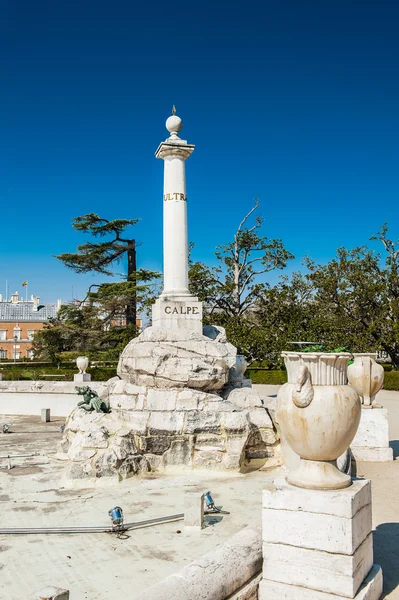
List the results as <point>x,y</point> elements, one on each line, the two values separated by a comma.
<point>82,362</point>
<point>366,376</point>
<point>319,414</point>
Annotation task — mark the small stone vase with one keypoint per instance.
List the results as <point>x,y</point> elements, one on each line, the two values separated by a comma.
<point>366,376</point>
<point>319,414</point>
<point>82,362</point>
<point>241,364</point>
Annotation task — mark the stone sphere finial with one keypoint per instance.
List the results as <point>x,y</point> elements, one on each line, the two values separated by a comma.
<point>174,123</point>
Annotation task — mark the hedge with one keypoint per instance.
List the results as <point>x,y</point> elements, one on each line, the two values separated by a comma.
<point>269,377</point>
<point>260,376</point>
<point>391,379</point>
<point>27,373</point>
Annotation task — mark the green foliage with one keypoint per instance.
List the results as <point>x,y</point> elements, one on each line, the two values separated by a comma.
<point>99,256</point>
<point>387,367</point>
<point>321,348</point>
<point>80,330</point>
<point>96,326</point>
<point>356,296</point>
<point>233,286</point>
<point>113,298</point>
<point>267,377</point>
<point>278,377</point>
<point>117,298</point>
<point>232,290</point>
<point>391,381</point>
<point>349,304</point>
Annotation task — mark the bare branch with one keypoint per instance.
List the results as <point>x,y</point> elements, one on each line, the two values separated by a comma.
<point>255,206</point>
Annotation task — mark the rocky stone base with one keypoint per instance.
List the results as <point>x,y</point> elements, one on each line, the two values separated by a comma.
<point>166,359</point>
<point>180,401</point>
<point>155,429</point>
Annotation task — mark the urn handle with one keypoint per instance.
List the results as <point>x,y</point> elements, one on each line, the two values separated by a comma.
<point>304,392</point>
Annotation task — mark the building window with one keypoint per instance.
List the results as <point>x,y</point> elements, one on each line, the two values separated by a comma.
<point>3,335</point>
<point>31,333</point>
<point>17,334</point>
<point>3,353</point>
<point>30,353</point>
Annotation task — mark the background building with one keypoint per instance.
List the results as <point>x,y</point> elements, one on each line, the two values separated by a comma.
<point>19,321</point>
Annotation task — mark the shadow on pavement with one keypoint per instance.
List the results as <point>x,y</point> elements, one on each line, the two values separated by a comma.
<point>386,551</point>
<point>210,520</point>
<point>394,444</point>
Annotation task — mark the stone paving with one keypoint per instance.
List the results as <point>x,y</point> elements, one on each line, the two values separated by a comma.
<point>100,566</point>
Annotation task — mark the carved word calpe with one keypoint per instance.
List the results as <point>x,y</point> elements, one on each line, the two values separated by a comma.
<point>175,196</point>
<point>182,310</point>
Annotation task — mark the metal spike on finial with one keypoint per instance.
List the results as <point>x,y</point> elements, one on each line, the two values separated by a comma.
<point>173,110</point>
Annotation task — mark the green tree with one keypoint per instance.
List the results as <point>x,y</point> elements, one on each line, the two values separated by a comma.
<point>100,256</point>
<point>96,325</point>
<point>75,328</point>
<point>80,329</point>
<point>233,288</point>
<point>357,298</point>
<point>284,313</point>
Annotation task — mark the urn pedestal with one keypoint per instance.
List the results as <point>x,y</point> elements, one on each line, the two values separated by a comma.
<point>319,414</point>
<point>318,545</point>
<point>82,362</point>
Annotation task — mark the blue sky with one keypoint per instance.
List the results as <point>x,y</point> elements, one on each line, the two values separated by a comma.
<point>293,102</point>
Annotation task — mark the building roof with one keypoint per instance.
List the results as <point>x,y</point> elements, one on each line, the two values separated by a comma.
<point>23,311</point>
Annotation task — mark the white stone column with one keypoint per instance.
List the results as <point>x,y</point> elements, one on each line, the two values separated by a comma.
<point>176,308</point>
<point>175,236</point>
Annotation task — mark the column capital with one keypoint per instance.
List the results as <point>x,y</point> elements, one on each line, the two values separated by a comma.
<point>174,148</point>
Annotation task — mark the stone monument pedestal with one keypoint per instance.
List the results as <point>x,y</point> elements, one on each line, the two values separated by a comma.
<point>371,442</point>
<point>184,313</point>
<point>180,399</point>
<point>82,377</point>
<point>317,545</point>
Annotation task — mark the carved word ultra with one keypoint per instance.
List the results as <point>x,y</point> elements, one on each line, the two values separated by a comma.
<point>175,196</point>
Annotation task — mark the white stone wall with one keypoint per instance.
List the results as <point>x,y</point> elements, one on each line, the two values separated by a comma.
<point>29,397</point>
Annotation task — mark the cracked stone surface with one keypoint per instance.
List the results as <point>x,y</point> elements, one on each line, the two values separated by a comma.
<point>178,402</point>
<point>174,428</point>
<point>178,359</point>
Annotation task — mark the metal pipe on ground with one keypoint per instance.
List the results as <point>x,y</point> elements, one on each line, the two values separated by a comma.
<point>97,529</point>
<point>46,431</point>
<point>93,529</point>
<point>10,456</point>
<point>20,455</point>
